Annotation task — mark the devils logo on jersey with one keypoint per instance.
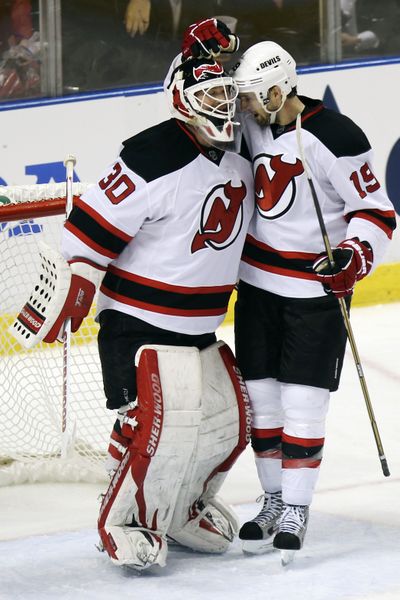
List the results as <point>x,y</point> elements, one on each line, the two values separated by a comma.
<point>275,184</point>
<point>221,217</point>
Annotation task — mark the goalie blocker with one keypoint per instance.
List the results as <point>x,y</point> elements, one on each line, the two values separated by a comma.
<point>192,422</point>
<point>63,290</point>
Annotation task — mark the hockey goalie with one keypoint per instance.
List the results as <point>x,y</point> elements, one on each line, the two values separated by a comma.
<point>160,236</point>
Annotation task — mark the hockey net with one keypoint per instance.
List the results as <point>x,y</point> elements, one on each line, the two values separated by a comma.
<point>31,381</point>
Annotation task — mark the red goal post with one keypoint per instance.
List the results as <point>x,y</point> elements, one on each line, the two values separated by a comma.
<point>31,380</point>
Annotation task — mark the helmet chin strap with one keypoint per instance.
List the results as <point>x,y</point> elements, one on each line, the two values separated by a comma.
<point>273,113</point>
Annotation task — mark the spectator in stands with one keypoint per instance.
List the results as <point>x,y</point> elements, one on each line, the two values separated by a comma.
<point>292,23</point>
<point>370,27</point>
<point>111,44</point>
<point>20,50</point>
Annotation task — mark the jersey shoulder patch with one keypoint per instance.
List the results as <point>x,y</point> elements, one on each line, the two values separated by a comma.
<point>158,151</point>
<point>338,133</point>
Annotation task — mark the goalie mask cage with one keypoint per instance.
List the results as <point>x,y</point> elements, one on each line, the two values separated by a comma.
<point>31,381</point>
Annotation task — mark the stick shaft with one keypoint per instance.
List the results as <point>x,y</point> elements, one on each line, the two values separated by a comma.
<point>343,308</point>
<point>69,163</point>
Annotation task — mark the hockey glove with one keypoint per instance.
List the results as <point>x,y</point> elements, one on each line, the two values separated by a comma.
<point>352,262</point>
<point>85,278</point>
<point>208,38</point>
<point>62,290</point>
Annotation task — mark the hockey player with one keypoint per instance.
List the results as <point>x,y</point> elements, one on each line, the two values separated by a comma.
<point>163,231</point>
<point>290,336</point>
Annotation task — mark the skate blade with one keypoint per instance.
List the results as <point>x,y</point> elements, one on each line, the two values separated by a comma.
<point>287,557</point>
<point>257,546</point>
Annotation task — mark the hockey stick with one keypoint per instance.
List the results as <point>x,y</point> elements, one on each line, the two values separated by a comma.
<point>342,305</point>
<point>66,440</point>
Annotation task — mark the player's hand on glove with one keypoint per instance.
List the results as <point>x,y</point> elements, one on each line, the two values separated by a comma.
<point>352,261</point>
<point>208,38</point>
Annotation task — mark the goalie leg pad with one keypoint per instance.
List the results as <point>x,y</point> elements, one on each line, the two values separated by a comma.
<point>144,489</point>
<point>224,432</point>
<point>211,530</point>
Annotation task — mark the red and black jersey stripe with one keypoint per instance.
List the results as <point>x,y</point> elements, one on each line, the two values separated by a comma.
<point>95,231</point>
<point>292,264</point>
<point>160,297</point>
<point>384,219</point>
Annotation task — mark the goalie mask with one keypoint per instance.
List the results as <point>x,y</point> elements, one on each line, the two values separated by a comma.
<point>201,94</point>
<point>263,66</point>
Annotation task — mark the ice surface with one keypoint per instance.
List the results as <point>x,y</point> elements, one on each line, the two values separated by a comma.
<point>352,548</point>
<point>343,557</point>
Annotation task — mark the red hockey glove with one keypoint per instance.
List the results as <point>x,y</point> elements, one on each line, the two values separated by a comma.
<point>62,290</point>
<point>353,261</point>
<point>208,39</point>
<point>85,278</point>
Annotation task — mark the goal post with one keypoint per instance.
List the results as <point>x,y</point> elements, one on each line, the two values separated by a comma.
<point>31,381</point>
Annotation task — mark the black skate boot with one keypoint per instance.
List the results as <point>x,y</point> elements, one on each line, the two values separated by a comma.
<point>292,528</point>
<point>257,534</point>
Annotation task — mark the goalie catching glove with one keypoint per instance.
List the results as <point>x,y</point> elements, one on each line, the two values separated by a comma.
<point>63,290</point>
<point>352,262</point>
<point>208,39</point>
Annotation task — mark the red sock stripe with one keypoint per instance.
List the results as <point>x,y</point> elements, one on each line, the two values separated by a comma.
<point>275,453</point>
<point>300,463</point>
<point>305,442</point>
<point>266,433</point>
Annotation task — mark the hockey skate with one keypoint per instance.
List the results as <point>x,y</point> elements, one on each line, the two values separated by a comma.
<point>292,528</point>
<point>258,534</point>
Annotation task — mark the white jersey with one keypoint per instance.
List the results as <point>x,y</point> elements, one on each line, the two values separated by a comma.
<point>284,235</point>
<point>168,219</point>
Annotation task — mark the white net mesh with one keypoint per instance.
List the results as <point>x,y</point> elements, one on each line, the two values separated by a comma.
<point>31,380</point>
<point>22,194</point>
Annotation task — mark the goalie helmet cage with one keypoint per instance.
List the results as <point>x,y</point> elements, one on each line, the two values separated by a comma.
<point>31,381</point>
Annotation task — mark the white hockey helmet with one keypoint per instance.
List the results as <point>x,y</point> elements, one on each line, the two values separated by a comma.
<point>261,67</point>
<point>201,93</point>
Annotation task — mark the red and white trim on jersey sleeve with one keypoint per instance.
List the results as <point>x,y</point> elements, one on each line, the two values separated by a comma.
<point>280,262</point>
<point>160,297</point>
<point>384,219</point>
<point>95,231</point>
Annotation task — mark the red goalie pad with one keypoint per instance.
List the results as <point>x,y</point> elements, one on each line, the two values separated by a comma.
<point>144,488</point>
